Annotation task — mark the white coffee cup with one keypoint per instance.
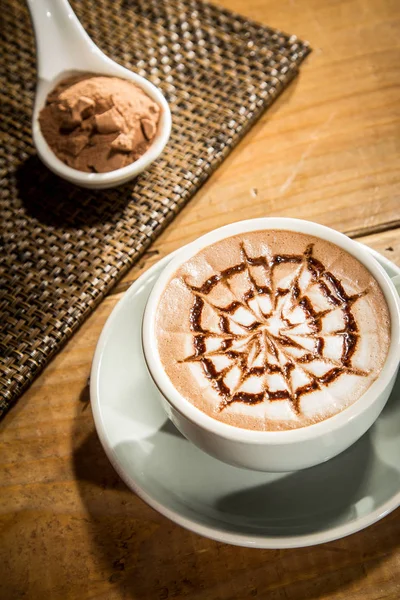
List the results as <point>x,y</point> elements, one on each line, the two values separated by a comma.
<point>287,450</point>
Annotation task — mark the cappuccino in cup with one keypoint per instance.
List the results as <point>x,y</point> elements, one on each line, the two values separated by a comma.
<point>272,330</point>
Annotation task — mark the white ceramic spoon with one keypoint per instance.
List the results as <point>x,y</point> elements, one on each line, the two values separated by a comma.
<point>64,49</point>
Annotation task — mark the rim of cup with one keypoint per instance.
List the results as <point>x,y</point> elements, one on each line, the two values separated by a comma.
<point>197,416</point>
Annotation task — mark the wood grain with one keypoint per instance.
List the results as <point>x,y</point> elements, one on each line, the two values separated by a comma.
<point>328,150</point>
<point>72,530</point>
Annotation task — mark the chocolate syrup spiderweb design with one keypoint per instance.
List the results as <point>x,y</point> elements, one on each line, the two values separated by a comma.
<point>273,340</point>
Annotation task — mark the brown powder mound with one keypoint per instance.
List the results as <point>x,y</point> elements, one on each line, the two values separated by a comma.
<point>98,124</point>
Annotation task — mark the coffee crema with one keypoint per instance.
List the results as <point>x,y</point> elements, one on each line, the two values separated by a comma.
<point>272,330</point>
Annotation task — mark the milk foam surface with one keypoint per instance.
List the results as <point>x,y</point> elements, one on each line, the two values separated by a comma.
<point>272,330</point>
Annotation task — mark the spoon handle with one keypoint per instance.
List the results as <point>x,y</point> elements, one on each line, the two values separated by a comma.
<point>62,44</point>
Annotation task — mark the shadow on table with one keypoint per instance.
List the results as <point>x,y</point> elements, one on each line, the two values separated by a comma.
<point>149,557</point>
<point>55,202</point>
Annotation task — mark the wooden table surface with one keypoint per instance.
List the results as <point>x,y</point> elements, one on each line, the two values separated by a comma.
<point>328,150</point>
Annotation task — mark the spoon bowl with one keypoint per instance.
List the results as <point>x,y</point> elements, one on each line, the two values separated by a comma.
<point>63,50</point>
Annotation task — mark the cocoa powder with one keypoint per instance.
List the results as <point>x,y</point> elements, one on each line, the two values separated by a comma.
<point>98,124</point>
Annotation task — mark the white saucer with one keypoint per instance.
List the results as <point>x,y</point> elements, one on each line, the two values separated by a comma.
<point>237,506</point>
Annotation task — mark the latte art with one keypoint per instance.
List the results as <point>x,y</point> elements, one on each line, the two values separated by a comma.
<point>279,351</point>
<point>288,331</point>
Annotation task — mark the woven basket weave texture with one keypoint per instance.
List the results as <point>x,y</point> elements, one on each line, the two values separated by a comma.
<point>62,248</point>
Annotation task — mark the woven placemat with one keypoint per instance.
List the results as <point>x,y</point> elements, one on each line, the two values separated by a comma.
<point>62,248</point>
